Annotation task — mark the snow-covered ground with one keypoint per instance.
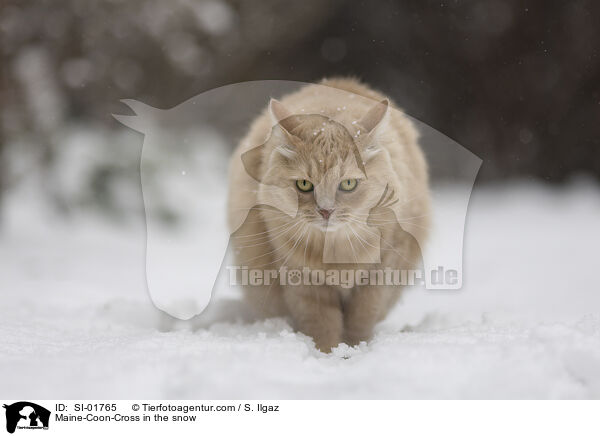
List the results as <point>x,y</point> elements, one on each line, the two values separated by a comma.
<point>76,320</point>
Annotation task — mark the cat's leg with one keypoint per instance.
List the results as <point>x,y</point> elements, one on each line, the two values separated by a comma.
<point>265,301</point>
<point>254,251</point>
<point>317,312</point>
<point>365,307</point>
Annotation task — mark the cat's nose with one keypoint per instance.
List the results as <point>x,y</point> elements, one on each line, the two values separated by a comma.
<point>325,213</point>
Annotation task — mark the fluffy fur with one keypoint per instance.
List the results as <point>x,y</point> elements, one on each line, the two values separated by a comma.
<point>326,133</point>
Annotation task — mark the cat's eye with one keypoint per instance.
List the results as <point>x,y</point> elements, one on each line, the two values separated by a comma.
<point>348,185</point>
<point>304,185</point>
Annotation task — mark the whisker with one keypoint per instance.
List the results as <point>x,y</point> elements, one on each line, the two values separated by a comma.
<point>291,251</point>
<point>274,250</point>
<point>268,235</point>
<point>351,246</point>
<point>283,246</point>
<point>391,247</point>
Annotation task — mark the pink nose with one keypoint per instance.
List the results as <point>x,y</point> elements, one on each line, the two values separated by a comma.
<point>325,213</point>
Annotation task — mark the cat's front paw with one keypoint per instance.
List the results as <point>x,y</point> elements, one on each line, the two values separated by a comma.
<point>353,338</point>
<point>326,345</point>
<point>326,340</point>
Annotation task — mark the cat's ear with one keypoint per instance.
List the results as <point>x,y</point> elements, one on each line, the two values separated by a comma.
<point>372,121</point>
<point>282,116</point>
<point>376,116</point>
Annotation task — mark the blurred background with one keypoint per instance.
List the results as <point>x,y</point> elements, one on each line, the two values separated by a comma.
<point>517,83</point>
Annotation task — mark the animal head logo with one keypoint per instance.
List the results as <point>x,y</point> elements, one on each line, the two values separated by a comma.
<point>26,415</point>
<point>183,167</point>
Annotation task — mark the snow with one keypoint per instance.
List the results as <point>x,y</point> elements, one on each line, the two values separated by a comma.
<point>76,321</point>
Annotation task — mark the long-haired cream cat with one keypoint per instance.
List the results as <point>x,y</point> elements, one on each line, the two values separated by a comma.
<point>329,178</point>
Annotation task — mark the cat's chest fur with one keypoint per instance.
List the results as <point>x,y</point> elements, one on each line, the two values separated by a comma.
<point>345,293</point>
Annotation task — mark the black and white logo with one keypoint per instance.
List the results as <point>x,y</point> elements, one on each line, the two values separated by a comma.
<point>26,415</point>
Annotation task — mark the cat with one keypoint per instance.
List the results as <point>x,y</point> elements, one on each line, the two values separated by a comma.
<point>350,185</point>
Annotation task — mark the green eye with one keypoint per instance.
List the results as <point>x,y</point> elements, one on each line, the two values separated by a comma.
<point>304,185</point>
<point>348,185</point>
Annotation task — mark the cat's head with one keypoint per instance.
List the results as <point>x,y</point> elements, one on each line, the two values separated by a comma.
<point>337,172</point>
